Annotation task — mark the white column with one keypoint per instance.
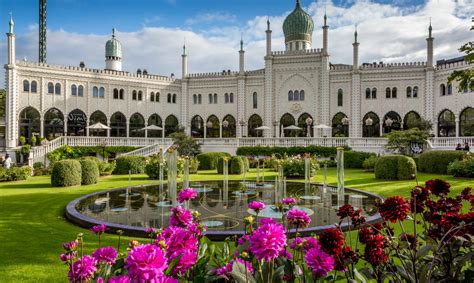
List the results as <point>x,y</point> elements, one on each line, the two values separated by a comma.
<point>325,36</point>
<point>127,127</point>
<point>41,127</point>
<point>269,39</point>
<point>457,121</point>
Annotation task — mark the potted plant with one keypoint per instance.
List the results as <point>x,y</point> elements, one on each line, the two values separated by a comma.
<point>33,140</point>
<point>22,140</point>
<point>25,150</point>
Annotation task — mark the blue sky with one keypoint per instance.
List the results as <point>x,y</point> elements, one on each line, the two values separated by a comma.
<point>152,31</point>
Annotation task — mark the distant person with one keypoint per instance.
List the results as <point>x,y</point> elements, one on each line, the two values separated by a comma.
<point>466,146</point>
<point>459,147</point>
<point>7,163</point>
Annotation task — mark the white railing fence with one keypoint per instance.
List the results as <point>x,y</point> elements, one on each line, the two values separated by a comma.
<point>149,150</point>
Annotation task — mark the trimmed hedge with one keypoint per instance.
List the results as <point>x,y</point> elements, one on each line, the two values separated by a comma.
<point>73,152</point>
<point>15,173</point>
<point>438,161</point>
<point>369,163</point>
<point>355,159</point>
<point>66,173</point>
<point>106,168</point>
<point>290,151</point>
<point>208,160</point>
<point>395,167</point>
<point>90,171</point>
<point>136,164</point>
<point>462,168</point>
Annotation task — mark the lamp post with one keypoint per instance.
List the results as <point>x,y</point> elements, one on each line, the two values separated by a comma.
<point>389,123</point>
<point>225,124</point>
<point>275,124</point>
<point>369,122</point>
<point>103,144</point>
<point>345,124</point>
<point>309,122</point>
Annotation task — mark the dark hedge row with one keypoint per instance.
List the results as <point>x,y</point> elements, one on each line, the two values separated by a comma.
<point>290,151</point>
<point>437,161</point>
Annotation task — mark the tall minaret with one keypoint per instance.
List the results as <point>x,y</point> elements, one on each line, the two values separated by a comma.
<point>11,42</point>
<point>42,32</point>
<point>11,99</point>
<point>241,58</point>
<point>325,35</point>
<point>269,38</point>
<point>429,41</point>
<point>184,63</point>
<point>355,52</point>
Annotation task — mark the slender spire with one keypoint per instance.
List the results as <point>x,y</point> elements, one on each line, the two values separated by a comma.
<point>184,46</point>
<point>325,18</point>
<point>113,32</point>
<point>298,3</point>
<point>11,24</point>
<point>241,41</point>
<point>355,34</point>
<point>268,23</point>
<point>430,29</point>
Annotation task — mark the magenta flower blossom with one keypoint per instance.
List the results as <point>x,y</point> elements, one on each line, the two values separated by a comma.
<point>286,254</point>
<point>264,221</point>
<point>186,194</point>
<point>320,262</point>
<point>289,201</point>
<point>145,263</point>
<point>119,279</point>
<point>180,217</point>
<point>67,257</point>
<point>82,270</point>
<point>107,255</point>
<point>70,246</point>
<point>256,206</point>
<point>98,229</point>
<point>185,262</point>
<point>299,218</point>
<point>196,229</point>
<point>305,243</point>
<point>166,279</point>
<point>151,232</point>
<point>225,270</point>
<point>267,241</point>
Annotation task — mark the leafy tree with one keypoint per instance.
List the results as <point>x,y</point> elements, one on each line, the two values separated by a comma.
<point>185,144</point>
<point>465,77</point>
<point>420,123</point>
<point>3,94</point>
<point>400,141</point>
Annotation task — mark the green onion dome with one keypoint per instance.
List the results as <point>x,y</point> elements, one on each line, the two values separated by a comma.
<point>113,47</point>
<point>298,25</point>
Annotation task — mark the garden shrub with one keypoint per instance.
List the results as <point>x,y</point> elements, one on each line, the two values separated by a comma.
<point>136,164</point>
<point>369,163</point>
<point>220,165</point>
<point>290,151</point>
<point>70,152</point>
<point>208,160</point>
<point>237,165</point>
<point>328,162</point>
<point>193,164</point>
<point>462,168</point>
<point>90,171</point>
<point>355,159</point>
<point>437,161</point>
<point>294,166</point>
<point>152,168</point>
<point>17,173</point>
<point>106,168</point>
<point>395,167</point>
<point>66,173</point>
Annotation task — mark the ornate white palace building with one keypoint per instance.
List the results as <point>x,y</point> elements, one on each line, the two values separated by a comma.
<point>298,86</point>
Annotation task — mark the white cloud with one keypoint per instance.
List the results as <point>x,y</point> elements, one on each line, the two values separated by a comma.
<point>386,33</point>
<point>214,17</point>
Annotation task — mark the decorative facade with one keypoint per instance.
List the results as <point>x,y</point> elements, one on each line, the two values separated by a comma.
<point>298,87</point>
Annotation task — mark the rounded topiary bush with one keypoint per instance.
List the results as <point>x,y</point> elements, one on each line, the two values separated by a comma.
<point>136,164</point>
<point>438,161</point>
<point>237,165</point>
<point>90,171</point>
<point>395,167</point>
<point>355,159</point>
<point>66,173</point>
<point>209,160</point>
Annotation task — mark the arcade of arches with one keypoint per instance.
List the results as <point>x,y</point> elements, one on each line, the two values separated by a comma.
<point>54,123</point>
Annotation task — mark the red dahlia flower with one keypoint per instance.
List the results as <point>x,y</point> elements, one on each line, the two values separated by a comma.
<point>394,208</point>
<point>332,241</point>
<point>438,187</point>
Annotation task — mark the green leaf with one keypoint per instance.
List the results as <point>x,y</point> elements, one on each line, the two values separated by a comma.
<point>359,276</point>
<point>423,251</point>
<point>173,263</point>
<point>240,274</point>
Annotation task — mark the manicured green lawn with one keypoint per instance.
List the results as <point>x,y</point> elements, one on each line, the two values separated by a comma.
<point>33,228</point>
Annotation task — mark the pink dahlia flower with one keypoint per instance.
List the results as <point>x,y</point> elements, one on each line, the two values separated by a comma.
<point>186,194</point>
<point>82,270</point>
<point>256,206</point>
<point>320,262</point>
<point>67,257</point>
<point>305,243</point>
<point>119,279</point>
<point>180,217</point>
<point>178,242</point>
<point>289,201</point>
<point>98,229</point>
<point>267,241</point>
<point>70,246</point>
<point>299,218</point>
<point>145,263</point>
<point>264,221</point>
<point>106,255</point>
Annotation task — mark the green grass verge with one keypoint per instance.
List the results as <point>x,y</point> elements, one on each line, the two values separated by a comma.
<point>33,228</point>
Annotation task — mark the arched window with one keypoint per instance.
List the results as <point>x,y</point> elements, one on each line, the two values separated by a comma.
<point>411,120</point>
<point>339,97</point>
<point>199,99</point>
<point>367,93</point>
<point>301,95</point>
<point>26,86</point>
<point>409,92</point>
<point>95,92</point>
<point>466,122</point>
<point>174,97</point>
<point>152,97</point>
<point>296,95</point>
<point>394,92</point>
<point>374,93</point>
<point>226,98</point>
<point>388,93</point>
<point>57,88</point>
<point>53,123</point>
<point>29,122</point>
<point>195,99</point>
<point>231,98</point>
<point>442,90</point>
<point>171,125</point>
<point>73,90</point>
<point>50,88</point>
<point>285,121</point>
<point>134,95</point>
<point>102,92</point>
<point>76,123</point>
<point>392,122</point>
<point>215,98</point>
<point>80,91</point>
<point>98,117</point>
<point>446,124</point>
<point>255,100</point>
<point>210,98</point>
<point>118,125</point>
<point>34,87</point>
<point>255,121</point>
<point>415,92</point>
<point>290,95</point>
<point>340,125</point>
<point>140,95</point>
<point>122,92</point>
<point>155,119</point>
<point>136,125</point>
<point>370,125</point>
<point>197,127</point>
<point>450,89</point>
<point>157,97</point>
<point>305,122</point>
<point>116,93</point>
